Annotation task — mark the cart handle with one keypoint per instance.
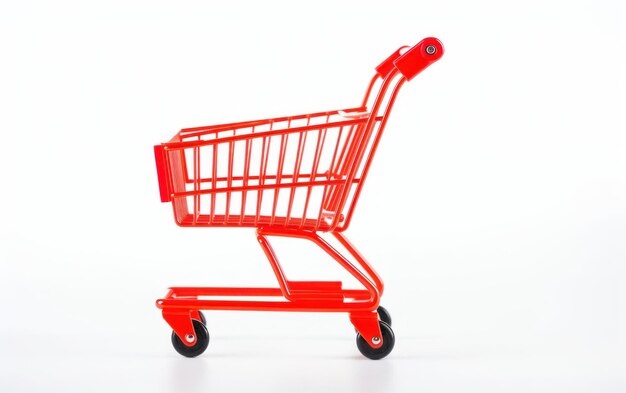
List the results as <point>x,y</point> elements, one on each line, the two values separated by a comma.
<point>386,67</point>
<point>419,57</point>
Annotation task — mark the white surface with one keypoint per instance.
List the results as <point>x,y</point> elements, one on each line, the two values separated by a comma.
<point>510,276</point>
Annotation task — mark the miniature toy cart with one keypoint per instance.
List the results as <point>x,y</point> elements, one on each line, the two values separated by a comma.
<point>298,176</point>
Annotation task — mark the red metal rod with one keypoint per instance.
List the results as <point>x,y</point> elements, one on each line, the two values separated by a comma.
<point>192,132</point>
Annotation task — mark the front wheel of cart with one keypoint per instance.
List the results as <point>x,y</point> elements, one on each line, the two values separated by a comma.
<point>384,350</point>
<point>202,341</point>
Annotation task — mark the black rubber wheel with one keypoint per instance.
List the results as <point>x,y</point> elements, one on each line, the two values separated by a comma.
<point>202,341</point>
<point>384,315</point>
<point>202,317</point>
<point>377,353</point>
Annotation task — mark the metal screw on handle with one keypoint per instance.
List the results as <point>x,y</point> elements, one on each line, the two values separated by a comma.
<point>431,49</point>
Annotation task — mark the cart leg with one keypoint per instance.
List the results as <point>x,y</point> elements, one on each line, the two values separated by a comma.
<point>330,250</point>
<point>273,260</point>
<point>378,282</point>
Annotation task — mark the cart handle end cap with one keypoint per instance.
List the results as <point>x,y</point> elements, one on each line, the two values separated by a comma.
<point>419,57</point>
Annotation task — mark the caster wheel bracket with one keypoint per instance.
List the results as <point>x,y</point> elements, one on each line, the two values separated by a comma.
<point>366,324</point>
<point>180,321</point>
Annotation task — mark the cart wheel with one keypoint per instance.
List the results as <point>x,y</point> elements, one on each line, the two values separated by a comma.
<point>202,341</point>
<point>384,315</point>
<point>202,317</point>
<point>384,350</point>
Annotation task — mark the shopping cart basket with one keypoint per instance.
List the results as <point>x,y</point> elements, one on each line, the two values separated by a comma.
<point>299,177</point>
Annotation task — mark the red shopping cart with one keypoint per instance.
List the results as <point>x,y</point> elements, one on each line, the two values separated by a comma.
<point>299,177</point>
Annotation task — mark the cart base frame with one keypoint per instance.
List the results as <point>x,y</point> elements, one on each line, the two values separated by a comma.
<point>181,305</point>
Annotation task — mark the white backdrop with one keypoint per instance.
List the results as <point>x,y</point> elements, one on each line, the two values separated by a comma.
<point>504,271</point>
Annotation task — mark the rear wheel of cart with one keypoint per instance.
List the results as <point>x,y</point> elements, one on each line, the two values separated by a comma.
<point>202,341</point>
<point>384,350</point>
<point>384,315</point>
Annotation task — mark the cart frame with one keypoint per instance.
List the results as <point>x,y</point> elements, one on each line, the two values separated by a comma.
<point>181,183</point>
